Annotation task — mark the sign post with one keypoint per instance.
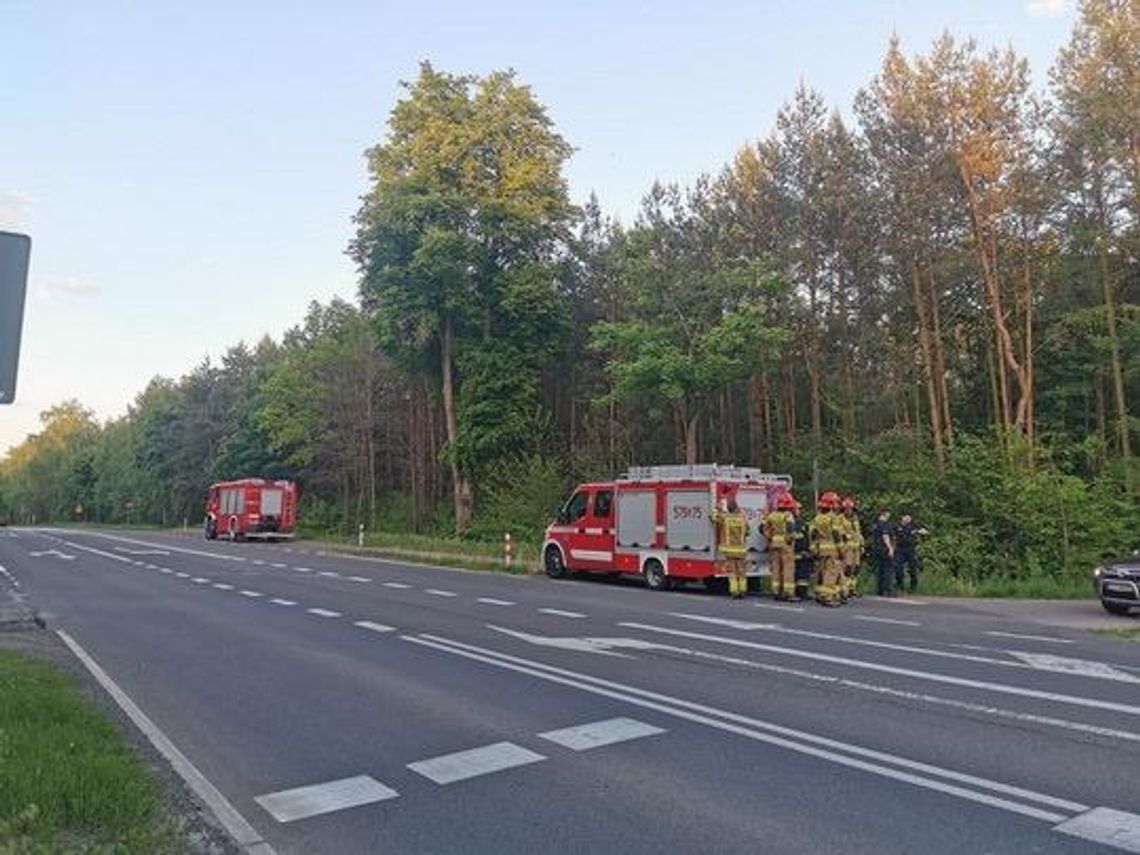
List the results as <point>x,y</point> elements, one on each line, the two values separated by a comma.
<point>15,251</point>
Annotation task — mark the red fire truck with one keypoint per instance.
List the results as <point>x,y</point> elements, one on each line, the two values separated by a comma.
<point>656,522</point>
<point>251,508</point>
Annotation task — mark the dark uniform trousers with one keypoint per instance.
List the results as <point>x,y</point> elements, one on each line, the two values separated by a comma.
<point>906,560</point>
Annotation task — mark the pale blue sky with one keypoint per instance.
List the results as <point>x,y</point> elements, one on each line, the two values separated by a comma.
<point>188,170</point>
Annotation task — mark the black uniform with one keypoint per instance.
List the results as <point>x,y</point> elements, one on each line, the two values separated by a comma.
<point>804,562</point>
<point>884,561</point>
<point>906,553</point>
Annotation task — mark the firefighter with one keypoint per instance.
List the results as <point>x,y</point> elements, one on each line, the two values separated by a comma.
<point>826,535</point>
<point>732,541</point>
<point>906,551</point>
<point>852,556</point>
<point>803,556</point>
<point>779,530</point>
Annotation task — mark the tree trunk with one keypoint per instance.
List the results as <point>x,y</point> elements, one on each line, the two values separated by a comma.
<point>1123,439</point>
<point>936,434</point>
<point>941,382</point>
<point>692,450</point>
<point>461,483</point>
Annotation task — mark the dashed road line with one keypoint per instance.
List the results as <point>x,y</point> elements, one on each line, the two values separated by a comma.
<point>375,627</point>
<point>399,586</point>
<point>332,574</point>
<point>323,613</point>
<point>302,569</point>
<point>165,571</point>
<point>358,579</point>
<point>449,768</point>
<point>562,613</point>
<point>278,565</point>
<point>222,586</point>
<point>1053,639</point>
<point>181,575</point>
<point>491,601</point>
<point>317,799</point>
<point>277,601</point>
<point>583,737</point>
<point>200,580</point>
<point>436,592</point>
<point>257,561</point>
<point>874,619</point>
<point>252,594</point>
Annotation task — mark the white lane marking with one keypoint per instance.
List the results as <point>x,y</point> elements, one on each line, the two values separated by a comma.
<point>329,573</point>
<point>277,601</point>
<point>55,553</point>
<point>359,579</point>
<point>461,765</point>
<point>182,575</point>
<point>491,601</point>
<point>779,608</point>
<point>561,613</point>
<point>1081,667</point>
<point>789,738</point>
<point>1114,828</point>
<point>1029,637</point>
<point>303,569</point>
<point>129,551</point>
<point>278,565</point>
<point>166,571</point>
<point>222,586</point>
<point>375,627</point>
<point>902,601</point>
<point>316,799</point>
<point>323,612</point>
<point>252,594</point>
<point>1003,688</point>
<point>435,592</point>
<point>257,561</point>
<point>200,580</point>
<point>887,620</point>
<point>238,827</point>
<point>581,645</point>
<point>583,737</point>
<point>142,543</point>
<point>399,586</point>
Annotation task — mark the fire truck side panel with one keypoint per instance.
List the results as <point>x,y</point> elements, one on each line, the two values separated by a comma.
<point>636,518</point>
<point>687,523</point>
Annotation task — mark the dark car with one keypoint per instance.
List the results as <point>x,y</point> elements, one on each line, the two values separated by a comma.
<point>1117,583</point>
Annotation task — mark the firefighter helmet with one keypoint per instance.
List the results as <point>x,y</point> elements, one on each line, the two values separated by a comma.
<point>829,501</point>
<point>786,502</point>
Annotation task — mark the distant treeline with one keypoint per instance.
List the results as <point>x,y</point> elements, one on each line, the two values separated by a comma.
<point>937,309</point>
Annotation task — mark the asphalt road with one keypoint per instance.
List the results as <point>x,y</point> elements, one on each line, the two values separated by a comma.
<point>348,705</point>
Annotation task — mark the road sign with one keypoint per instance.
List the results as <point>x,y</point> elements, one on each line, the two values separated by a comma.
<point>15,251</point>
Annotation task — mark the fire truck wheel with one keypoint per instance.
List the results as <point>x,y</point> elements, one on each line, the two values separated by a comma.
<point>655,578</point>
<point>211,529</point>
<point>555,566</point>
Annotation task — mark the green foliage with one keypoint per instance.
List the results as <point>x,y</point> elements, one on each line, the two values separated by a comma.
<point>521,498</point>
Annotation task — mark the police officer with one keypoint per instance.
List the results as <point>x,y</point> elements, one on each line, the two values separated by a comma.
<point>826,536</point>
<point>805,563</point>
<point>906,551</point>
<point>779,531</point>
<point>883,551</point>
<point>732,542</point>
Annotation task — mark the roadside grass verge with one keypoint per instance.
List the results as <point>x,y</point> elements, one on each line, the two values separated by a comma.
<point>429,549</point>
<point>1042,588</point>
<point>1128,633</point>
<point>69,782</point>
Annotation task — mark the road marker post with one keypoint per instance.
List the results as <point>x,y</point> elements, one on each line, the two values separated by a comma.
<point>508,550</point>
<point>360,535</point>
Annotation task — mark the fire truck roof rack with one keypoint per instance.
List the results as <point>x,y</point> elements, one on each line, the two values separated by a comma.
<point>702,472</point>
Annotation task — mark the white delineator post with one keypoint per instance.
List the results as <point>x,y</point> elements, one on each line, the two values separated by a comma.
<point>508,549</point>
<point>360,535</point>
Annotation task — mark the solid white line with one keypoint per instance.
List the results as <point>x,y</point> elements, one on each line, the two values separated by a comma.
<point>359,579</point>
<point>887,620</point>
<point>461,765</point>
<point>903,672</point>
<point>561,613</point>
<point>1114,828</point>
<point>316,799</point>
<point>491,601</point>
<point>375,627</point>
<point>583,737</point>
<point>1029,637</point>
<point>435,592</point>
<point>233,822</point>
<point>252,594</point>
<point>323,613</point>
<point>277,601</point>
<point>400,586</point>
<point>222,586</point>
<point>795,741</point>
<point>98,552</point>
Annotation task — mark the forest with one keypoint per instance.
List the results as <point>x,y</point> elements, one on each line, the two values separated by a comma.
<point>928,298</point>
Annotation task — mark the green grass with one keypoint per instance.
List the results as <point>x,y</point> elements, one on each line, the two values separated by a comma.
<point>1034,588</point>
<point>68,780</point>
<point>432,549</point>
<point>1131,633</point>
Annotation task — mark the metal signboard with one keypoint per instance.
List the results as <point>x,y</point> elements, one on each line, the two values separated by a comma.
<point>15,251</point>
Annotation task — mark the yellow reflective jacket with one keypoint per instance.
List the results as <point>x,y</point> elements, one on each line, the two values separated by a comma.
<point>778,529</point>
<point>732,533</point>
<point>826,533</point>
